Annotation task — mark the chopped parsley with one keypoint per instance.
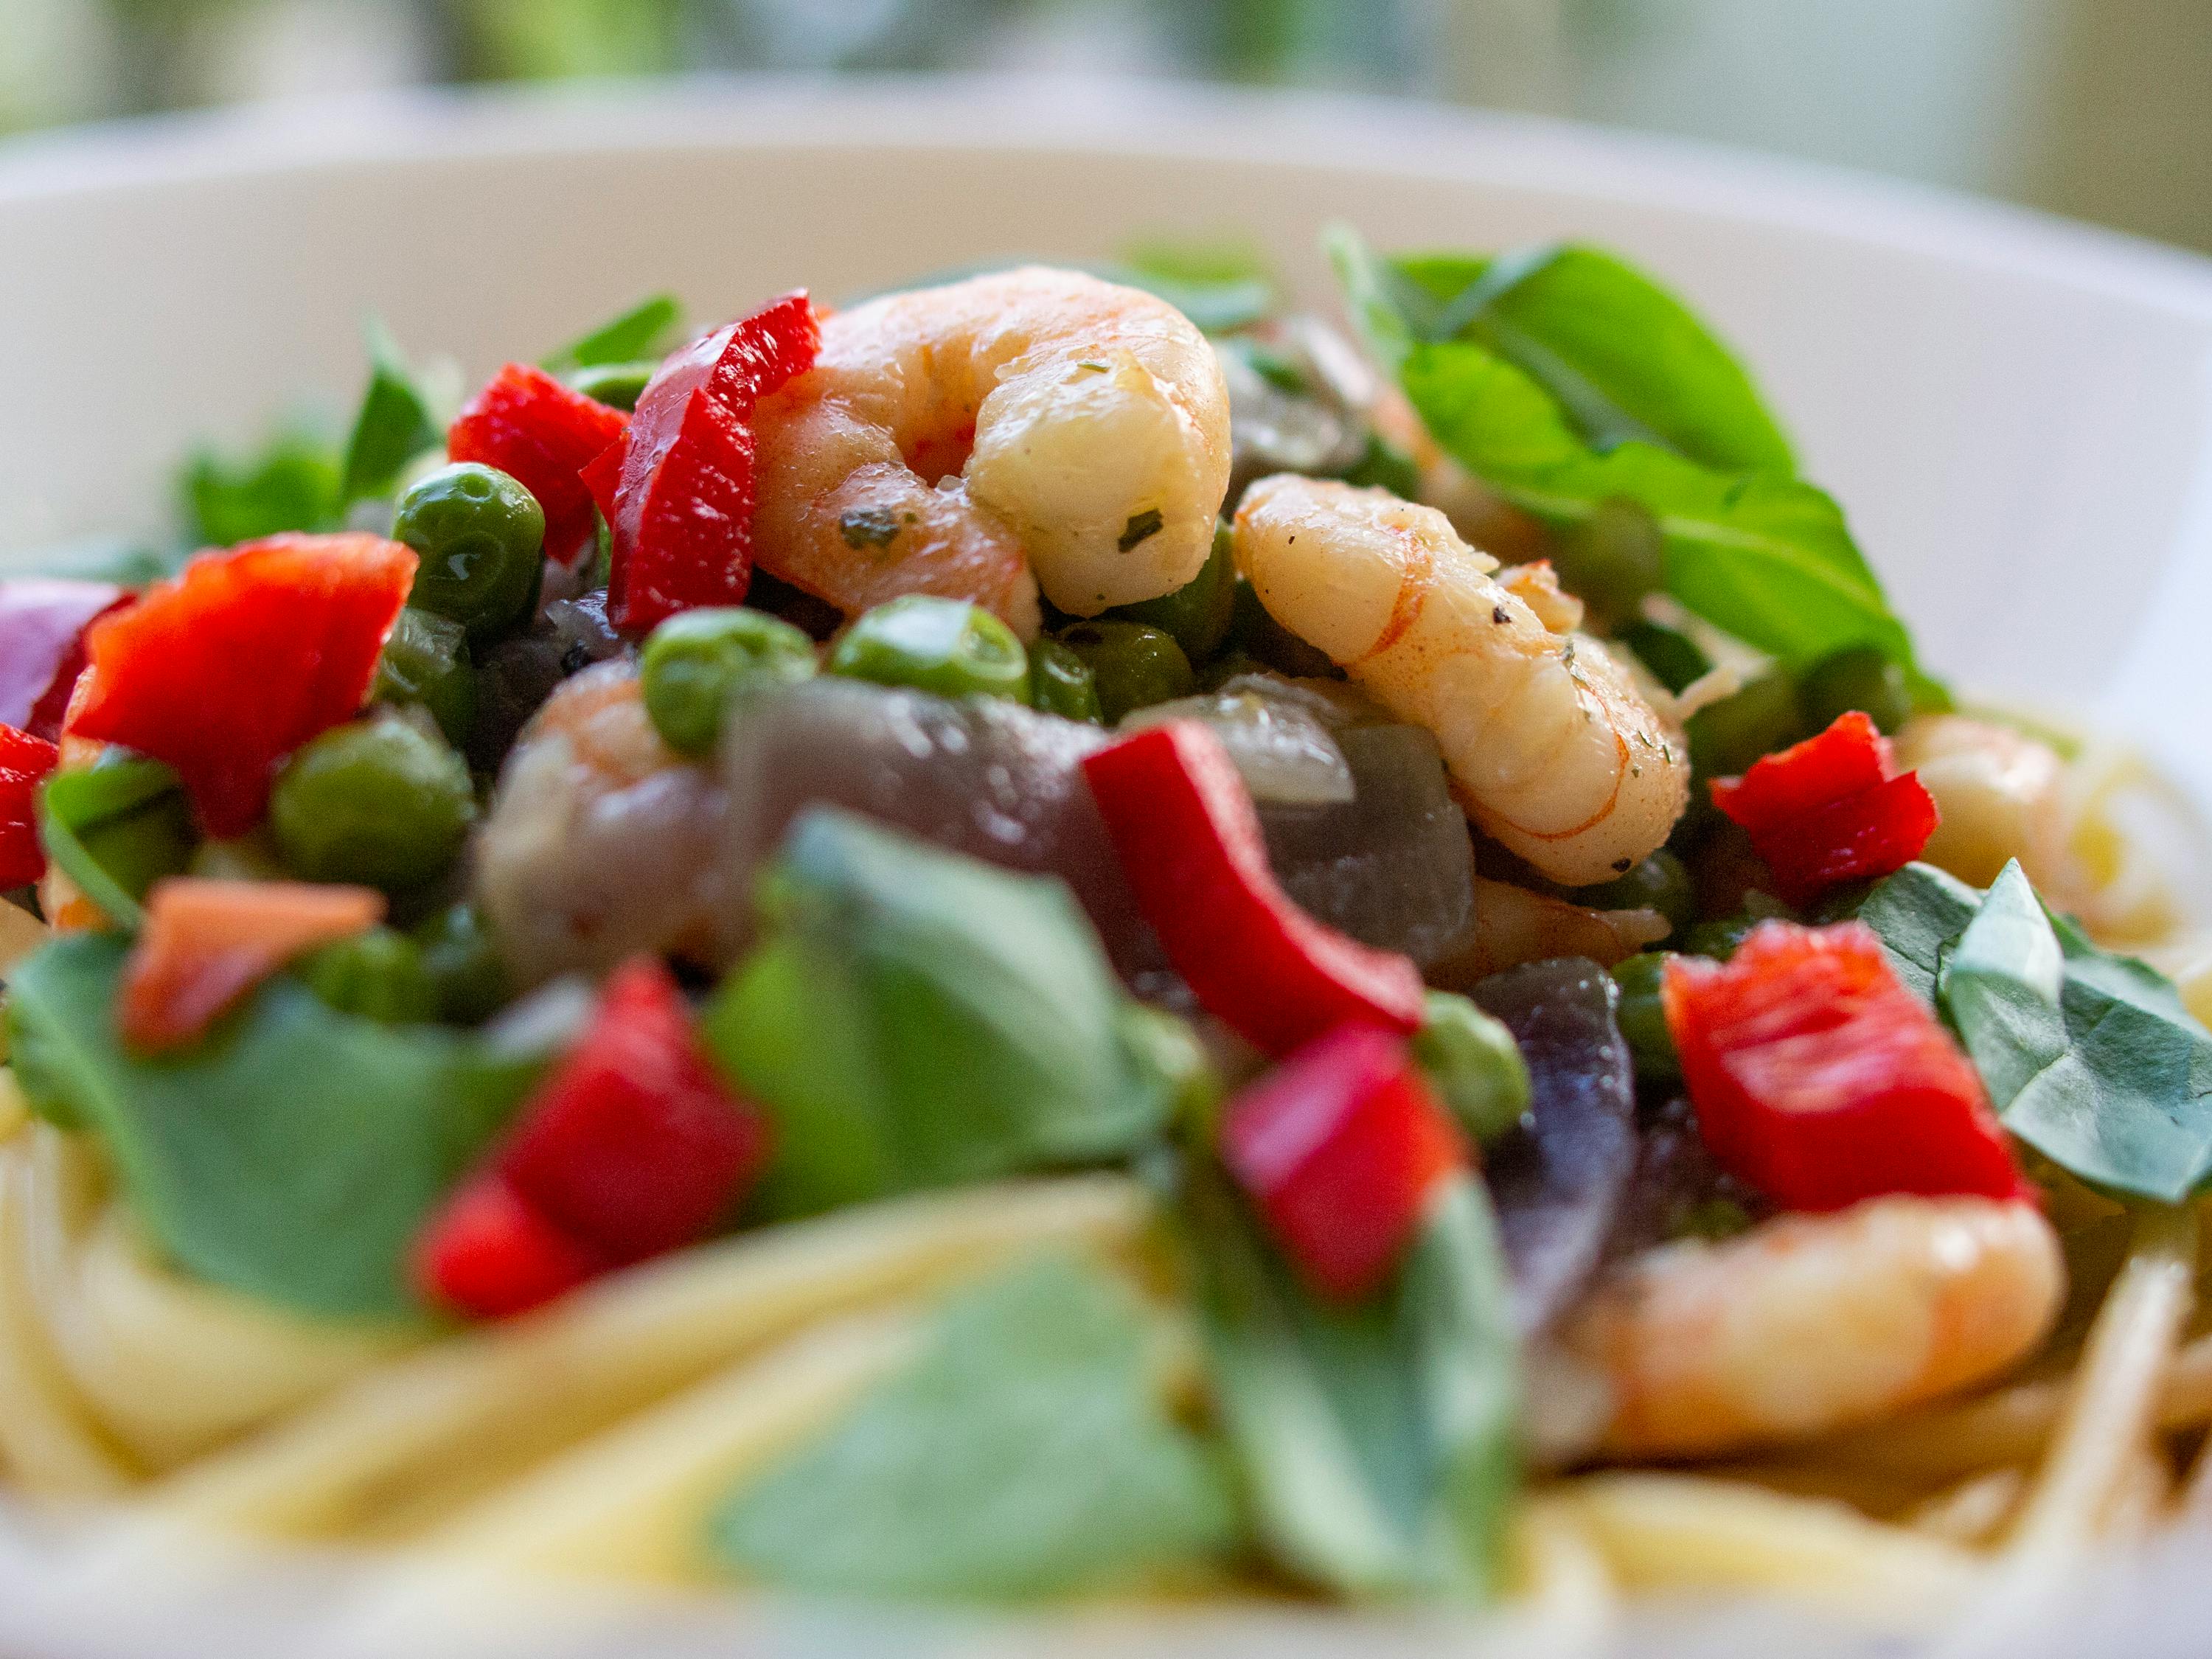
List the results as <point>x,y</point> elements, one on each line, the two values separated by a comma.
<point>1141,525</point>
<point>868,526</point>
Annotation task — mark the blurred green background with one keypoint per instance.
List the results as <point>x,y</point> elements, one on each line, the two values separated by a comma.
<point>2098,108</point>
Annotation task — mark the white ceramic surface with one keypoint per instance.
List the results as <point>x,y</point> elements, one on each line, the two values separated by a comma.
<point>2018,414</point>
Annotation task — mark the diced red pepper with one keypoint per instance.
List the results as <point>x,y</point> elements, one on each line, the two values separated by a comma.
<point>229,666</point>
<point>543,435</point>
<point>1821,1080</point>
<point>680,506</point>
<point>206,944</point>
<point>634,1145</point>
<point>490,1253</point>
<point>24,763</point>
<point>1190,845</point>
<point>42,624</point>
<point>1340,1147</point>
<point>1833,809</point>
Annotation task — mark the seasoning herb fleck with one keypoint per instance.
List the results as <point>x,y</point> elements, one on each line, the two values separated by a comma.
<point>1140,524</point>
<point>868,526</point>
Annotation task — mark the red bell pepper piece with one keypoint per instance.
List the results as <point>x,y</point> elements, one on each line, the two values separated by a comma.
<point>1834,809</point>
<point>1191,847</point>
<point>543,435</point>
<point>206,944</point>
<point>680,506</point>
<point>42,624</point>
<point>491,1253</point>
<point>24,763</point>
<point>1340,1147</point>
<point>1821,1080</point>
<point>232,663</point>
<point>634,1145</point>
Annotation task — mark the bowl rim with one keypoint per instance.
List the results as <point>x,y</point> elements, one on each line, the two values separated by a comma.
<point>1068,117</point>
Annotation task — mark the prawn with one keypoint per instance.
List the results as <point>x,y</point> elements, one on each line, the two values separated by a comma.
<point>1032,429</point>
<point>600,840</point>
<point>2000,794</point>
<point>1812,1322</point>
<point>1553,748</point>
<point>1516,925</point>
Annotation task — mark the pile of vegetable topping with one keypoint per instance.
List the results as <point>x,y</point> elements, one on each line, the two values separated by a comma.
<point>483,872</point>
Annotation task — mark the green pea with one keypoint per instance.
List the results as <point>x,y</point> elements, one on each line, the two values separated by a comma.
<point>1642,1019</point>
<point>468,980</point>
<point>378,975</point>
<point>480,536</point>
<point>1060,682</point>
<point>250,857</point>
<point>696,662</point>
<point>1660,882</point>
<point>1474,1063</point>
<point>1132,666</point>
<point>1198,613</point>
<point>426,664</point>
<point>143,845</point>
<point>1674,658</point>
<point>946,646</point>
<point>1613,558</point>
<point>381,801</point>
<point>617,384</point>
<point>1728,736</point>
<point>1719,937</point>
<point>1859,677</point>
<point>1266,642</point>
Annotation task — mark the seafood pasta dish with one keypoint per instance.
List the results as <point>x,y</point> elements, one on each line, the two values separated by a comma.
<point>1074,938</point>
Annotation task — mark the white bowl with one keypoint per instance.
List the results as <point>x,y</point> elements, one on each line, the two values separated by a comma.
<point>2016,412</point>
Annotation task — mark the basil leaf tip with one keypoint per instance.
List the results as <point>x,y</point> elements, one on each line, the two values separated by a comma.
<point>1378,1444</point>
<point>1025,1453</point>
<point>915,1018</point>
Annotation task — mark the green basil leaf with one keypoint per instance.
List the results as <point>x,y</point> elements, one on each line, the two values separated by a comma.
<point>915,1018</point>
<point>1756,552</point>
<point>295,482</point>
<point>2002,985</point>
<point>1221,287</point>
<point>644,330</point>
<point>1916,912</point>
<point>394,424</point>
<point>1377,1442</point>
<point>1624,358</point>
<point>113,827</point>
<point>2089,1058</point>
<point>1026,1453</point>
<point>294,1154</point>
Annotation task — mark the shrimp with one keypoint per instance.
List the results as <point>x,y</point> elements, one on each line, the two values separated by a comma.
<point>1812,1322</point>
<point>600,840</point>
<point>1030,429</point>
<point>1515,925</point>
<point>1551,747</point>
<point>2001,794</point>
